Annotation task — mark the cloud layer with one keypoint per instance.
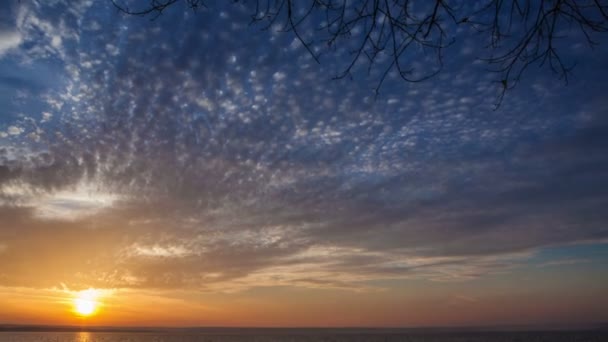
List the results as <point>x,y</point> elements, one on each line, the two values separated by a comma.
<point>175,154</point>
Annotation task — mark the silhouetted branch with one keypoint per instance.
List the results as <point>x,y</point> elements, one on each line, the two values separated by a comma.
<point>519,33</point>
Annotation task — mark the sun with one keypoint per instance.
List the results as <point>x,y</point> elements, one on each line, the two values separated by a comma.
<point>85,302</point>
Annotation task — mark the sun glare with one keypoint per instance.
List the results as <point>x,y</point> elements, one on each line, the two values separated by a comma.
<point>85,302</point>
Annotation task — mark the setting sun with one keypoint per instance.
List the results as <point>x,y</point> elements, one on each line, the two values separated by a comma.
<point>85,302</point>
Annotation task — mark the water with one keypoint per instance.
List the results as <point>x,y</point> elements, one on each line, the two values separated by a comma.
<point>303,335</point>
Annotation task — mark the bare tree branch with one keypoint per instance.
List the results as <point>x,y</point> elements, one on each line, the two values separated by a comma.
<point>519,33</point>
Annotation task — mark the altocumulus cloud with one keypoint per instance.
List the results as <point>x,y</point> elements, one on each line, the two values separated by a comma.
<point>174,154</point>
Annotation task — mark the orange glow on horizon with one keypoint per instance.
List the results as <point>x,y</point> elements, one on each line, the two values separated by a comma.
<point>423,306</point>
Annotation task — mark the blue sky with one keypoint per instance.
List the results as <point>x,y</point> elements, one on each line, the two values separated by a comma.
<point>198,152</point>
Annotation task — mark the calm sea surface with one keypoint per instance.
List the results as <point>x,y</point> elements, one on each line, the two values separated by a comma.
<point>302,335</point>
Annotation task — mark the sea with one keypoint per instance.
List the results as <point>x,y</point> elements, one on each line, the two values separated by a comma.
<point>306,335</point>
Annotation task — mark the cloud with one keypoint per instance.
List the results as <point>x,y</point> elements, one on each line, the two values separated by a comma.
<point>160,251</point>
<point>66,204</point>
<point>14,130</point>
<point>46,116</point>
<point>9,41</point>
<point>162,165</point>
<point>564,262</point>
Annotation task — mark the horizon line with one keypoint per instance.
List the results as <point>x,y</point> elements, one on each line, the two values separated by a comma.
<point>9,327</point>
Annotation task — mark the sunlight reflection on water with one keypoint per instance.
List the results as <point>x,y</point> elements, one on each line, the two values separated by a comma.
<point>301,335</point>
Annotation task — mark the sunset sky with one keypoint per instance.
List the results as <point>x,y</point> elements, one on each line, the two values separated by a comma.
<point>198,171</point>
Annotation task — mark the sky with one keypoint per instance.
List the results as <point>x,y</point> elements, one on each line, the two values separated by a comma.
<point>195,170</point>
